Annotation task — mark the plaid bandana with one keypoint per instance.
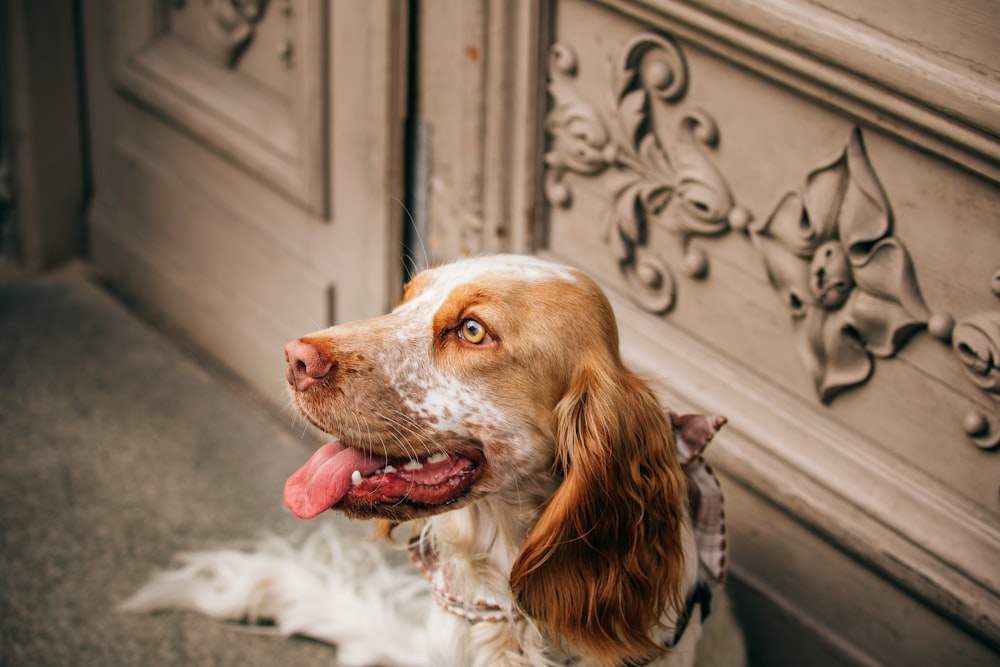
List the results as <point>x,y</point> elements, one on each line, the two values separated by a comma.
<point>692,433</point>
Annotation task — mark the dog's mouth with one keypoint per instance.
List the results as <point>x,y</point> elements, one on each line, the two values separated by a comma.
<point>346,478</point>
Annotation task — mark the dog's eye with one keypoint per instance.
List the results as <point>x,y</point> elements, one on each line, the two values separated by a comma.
<point>473,331</point>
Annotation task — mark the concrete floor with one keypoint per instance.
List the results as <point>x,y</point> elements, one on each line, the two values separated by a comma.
<point>118,450</point>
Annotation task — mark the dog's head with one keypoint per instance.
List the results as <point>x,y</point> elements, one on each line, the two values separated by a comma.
<point>453,394</point>
<point>491,374</point>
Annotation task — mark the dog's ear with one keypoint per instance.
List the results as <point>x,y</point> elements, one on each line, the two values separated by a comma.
<point>605,558</point>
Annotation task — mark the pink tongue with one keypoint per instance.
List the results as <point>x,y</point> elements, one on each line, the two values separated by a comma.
<point>325,479</point>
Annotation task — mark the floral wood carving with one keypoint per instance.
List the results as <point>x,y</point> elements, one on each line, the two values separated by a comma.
<point>849,283</point>
<point>657,177</point>
<point>828,247</point>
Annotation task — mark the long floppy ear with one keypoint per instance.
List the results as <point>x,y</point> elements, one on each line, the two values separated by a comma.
<point>605,558</point>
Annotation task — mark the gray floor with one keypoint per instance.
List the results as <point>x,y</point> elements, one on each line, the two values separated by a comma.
<point>118,451</point>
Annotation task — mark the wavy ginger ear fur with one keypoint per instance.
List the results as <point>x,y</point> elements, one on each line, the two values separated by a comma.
<point>605,558</point>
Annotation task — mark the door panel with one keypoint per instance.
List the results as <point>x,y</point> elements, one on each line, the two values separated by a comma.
<point>248,165</point>
<point>700,159</point>
<point>248,79</point>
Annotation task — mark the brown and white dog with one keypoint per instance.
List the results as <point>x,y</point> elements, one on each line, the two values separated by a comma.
<point>560,514</point>
<point>553,515</point>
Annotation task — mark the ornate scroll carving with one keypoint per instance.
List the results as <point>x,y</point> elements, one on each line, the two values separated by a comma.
<point>849,283</point>
<point>828,247</point>
<point>976,341</point>
<point>656,177</point>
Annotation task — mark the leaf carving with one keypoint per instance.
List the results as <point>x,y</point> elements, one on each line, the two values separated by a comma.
<point>657,178</point>
<point>847,280</point>
<point>828,246</point>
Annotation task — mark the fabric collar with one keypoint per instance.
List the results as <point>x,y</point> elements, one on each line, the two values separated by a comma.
<point>692,433</point>
<point>440,576</point>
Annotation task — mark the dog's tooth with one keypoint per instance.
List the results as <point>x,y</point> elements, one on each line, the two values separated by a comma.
<point>438,458</point>
<point>389,469</point>
<point>413,464</point>
<point>356,477</point>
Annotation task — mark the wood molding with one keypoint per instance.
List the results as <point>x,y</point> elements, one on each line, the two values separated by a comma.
<point>279,139</point>
<point>873,77</point>
<point>484,150</point>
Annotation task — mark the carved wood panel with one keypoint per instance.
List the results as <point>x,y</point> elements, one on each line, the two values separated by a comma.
<point>247,78</point>
<point>828,244</point>
<point>839,267</point>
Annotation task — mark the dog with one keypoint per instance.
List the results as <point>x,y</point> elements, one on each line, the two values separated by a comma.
<point>492,406</point>
<point>559,513</point>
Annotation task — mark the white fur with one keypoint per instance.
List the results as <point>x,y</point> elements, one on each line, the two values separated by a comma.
<point>329,587</point>
<point>345,591</point>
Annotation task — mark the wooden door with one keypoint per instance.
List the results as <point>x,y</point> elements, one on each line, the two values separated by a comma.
<point>718,166</point>
<point>247,167</point>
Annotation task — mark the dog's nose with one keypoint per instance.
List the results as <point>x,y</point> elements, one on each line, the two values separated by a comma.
<point>306,364</point>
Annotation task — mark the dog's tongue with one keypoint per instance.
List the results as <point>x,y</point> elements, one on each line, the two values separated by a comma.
<point>325,479</point>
